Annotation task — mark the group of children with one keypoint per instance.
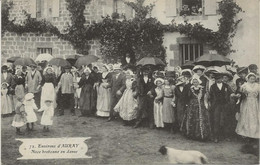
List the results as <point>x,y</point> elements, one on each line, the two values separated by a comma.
<point>25,114</point>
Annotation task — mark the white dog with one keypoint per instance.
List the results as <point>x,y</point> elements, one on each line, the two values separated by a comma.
<point>183,157</point>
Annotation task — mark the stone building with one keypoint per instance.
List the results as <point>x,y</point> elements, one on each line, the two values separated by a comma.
<point>179,48</point>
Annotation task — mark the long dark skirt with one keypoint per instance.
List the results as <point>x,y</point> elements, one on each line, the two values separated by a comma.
<point>85,101</point>
<point>195,122</point>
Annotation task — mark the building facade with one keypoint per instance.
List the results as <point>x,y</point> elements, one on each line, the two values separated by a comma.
<point>179,48</point>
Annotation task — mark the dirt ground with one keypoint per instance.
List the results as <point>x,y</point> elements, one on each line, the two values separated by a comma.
<point>113,143</point>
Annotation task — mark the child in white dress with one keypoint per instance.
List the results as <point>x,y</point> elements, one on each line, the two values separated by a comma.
<point>47,116</point>
<point>6,105</point>
<point>29,107</point>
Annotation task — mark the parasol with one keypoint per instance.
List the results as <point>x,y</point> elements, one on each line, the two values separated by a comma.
<point>12,59</point>
<point>44,57</point>
<point>150,61</point>
<point>59,62</point>
<point>86,60</point>
<point>212,60</point>
<point>24,61</point>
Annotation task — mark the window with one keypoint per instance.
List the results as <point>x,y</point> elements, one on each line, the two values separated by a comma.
<point>189,52</point>
<point>123,10</point>
<point>190,7</point>
<point>44,50</point>
<point>44,8</point>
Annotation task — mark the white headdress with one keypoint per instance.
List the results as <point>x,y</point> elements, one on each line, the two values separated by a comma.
<point>196,77</point>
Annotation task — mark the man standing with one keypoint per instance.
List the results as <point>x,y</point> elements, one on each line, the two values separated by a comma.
<point>33,81</point>
<point>145,83</point>
<point>117,86</point>
<point>67,91</point>
<point>219,95</point>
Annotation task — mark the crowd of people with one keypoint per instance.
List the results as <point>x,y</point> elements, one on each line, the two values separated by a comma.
<point>201,103</point>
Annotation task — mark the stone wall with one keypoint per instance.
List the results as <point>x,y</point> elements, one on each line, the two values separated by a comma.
<point>26,45</point>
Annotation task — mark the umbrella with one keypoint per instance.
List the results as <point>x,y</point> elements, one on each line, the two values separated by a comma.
<point>86,60</point>
<point>24,61</point>
<point>59,62</point>
<point>212,60</point>
<point>150,61</point>
<point>188,65</point>
<point>44,57</point>
<point>73,58</point>
<point>12,59</point>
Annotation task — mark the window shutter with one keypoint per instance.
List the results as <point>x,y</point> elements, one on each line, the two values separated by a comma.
<point>33,8</point>
<point>210,7</point>
<point>55,8</point>
<point>128,12</point>
<point>170,8</point>
<point>108,7</point>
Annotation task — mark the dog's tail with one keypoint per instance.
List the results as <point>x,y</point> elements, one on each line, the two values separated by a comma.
<point>204,159</point>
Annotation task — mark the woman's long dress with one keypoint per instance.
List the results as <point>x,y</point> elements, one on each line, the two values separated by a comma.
<point>127,105</point>
<point>248,122</point>
<point>6,103</point>
<point>158,108</point>
<point>168,109</point>
<point>48,91</point>
<point>195,122</point>
<point>103,98</point>
<point>85,101</point>
<point>19,86</point>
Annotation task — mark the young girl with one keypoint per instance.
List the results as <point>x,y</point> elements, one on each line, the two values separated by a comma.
<point>19,117</point>
<point>30,106</point>
<point>47,116</point>
<point>158,107</point>
<point>168,104</point>
<point>6,105</point>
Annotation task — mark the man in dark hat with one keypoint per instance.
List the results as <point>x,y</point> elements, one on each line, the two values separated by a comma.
<point>33,81</point>
<point>253,68</point>
<point>242,72</point>
<point>219,95</point>
<point>145,83</point>
<point>67,91</point>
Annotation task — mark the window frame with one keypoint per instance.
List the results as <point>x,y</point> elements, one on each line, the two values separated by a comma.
<point>191,47</point>
<point>39,50</point>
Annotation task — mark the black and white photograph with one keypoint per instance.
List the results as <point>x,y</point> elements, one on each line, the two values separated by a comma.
<point>130,82</point>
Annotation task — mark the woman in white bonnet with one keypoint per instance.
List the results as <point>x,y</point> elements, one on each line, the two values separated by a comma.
<point>48,88</point>
<point>86,84</point>
<point>103,94</point>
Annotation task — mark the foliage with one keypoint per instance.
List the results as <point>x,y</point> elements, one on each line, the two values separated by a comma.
<point>138,37</point>
<point>77,33</point>
<point>221,40</point>
<point>32,25</point>
<point>6,6</point>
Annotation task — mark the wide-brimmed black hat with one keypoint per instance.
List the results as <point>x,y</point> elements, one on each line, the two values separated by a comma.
<point>170,74</point>
<point>4,68</point>
<point>218,75</point>
<point>67,67</point>
<point>228,74</point>
<point>242,70</point>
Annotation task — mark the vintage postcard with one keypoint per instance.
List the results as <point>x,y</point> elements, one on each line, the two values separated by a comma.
<point>130,82</point>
